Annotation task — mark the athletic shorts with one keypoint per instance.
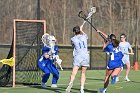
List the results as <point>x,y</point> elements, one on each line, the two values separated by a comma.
<point>81,60</point>
<point>125,59</point>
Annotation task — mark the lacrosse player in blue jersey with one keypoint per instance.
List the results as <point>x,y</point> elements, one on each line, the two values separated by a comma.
<point>46,62</point>
<point>114,64</point>
<point>80,57</point>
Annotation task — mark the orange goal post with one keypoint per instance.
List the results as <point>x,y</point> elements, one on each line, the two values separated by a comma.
<point>26,48</point>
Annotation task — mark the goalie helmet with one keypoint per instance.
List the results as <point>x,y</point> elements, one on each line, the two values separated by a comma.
<point>51,38</point>
<point>48,40</point>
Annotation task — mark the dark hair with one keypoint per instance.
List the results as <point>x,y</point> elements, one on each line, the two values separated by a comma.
<point>123,35</point>
<point>76,30</point>
<point>111,36</point>
<point>115,43</point>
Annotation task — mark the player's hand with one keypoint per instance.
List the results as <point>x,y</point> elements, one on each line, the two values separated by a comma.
<point>130,53</point>
<point>46,55</point>
<point>59,61</point>
<point>98,31</point>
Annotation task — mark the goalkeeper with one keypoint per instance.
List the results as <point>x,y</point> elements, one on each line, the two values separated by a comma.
<point>45,63</point>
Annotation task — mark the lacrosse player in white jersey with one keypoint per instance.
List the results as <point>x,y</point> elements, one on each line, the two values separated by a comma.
<point>80,57</point>
<point>125,47</point>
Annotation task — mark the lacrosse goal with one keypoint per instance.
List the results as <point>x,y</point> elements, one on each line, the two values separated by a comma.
<point>26,50</point>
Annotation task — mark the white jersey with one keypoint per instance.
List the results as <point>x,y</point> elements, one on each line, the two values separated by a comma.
<point>80,44</point>
<point>125,46</point>
<point>80,52</point>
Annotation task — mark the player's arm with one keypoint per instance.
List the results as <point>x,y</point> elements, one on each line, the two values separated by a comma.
<point>104,45</point>
<point>130,50</point>
<point>72,43</point>
<point>105,35</point>
<point>81,29</point>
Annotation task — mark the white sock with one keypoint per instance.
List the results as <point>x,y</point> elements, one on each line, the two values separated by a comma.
<point>70,82</point>
<point>82,87</point>
<point>126,76</point>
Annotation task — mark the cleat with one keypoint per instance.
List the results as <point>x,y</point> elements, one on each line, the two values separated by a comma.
<point>81,91</point>
<point>69,88</point>
<point>126,79</point>
<point>53,86</point>
<point>43,85</point>
<point>102,90</point>
<point>117,79</point>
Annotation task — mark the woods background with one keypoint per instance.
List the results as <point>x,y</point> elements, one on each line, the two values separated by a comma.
<point>112,16</point>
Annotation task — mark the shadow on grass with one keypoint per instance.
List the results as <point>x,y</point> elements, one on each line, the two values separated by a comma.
<point>86,90</point>
<point>56,90</point>
<point>134,81</point>
<point>62,89</point>
<point>94,79</point>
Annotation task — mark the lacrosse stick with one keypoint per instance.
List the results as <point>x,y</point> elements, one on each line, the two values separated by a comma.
<point>86,19</point>
<point>82,15</point>
<point>45,40</point>
<point>60,67</point>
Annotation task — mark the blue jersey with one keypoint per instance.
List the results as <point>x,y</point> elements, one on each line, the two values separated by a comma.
<point>47,49</point>
<point>47,66</point>
<point>115,59</point>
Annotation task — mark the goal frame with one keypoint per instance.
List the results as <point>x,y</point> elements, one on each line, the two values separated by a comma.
<point>14,44</point>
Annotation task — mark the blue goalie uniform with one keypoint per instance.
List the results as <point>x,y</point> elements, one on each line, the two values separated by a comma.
<point>47,66</point>
<point>115,57</point>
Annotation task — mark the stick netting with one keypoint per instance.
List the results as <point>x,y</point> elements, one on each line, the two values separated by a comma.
<point>5,70</point>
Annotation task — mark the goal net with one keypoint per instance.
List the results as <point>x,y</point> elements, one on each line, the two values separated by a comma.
<point>26,50</point>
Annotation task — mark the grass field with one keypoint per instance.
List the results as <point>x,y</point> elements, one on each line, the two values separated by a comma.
<point>93,84</point>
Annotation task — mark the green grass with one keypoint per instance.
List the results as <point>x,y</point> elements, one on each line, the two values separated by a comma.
<point>93,84</point>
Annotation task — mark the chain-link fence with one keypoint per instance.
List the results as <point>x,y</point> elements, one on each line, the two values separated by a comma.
<point>98,58</point>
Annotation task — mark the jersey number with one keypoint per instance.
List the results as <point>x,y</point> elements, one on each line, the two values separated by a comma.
<point>82,45</point>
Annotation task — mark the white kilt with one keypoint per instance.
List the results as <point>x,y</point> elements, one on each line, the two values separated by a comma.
<point>81,60</point>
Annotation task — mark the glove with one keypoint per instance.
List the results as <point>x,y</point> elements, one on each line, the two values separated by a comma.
<point>46,55</point>
<point>58,61</point>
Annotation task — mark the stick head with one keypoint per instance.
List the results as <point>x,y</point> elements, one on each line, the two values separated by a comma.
<point>82,14</point>
<point>93,9</point>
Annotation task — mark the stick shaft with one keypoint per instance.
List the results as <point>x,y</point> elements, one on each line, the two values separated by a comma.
<point>60,67</point>
<point>105,39</point>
